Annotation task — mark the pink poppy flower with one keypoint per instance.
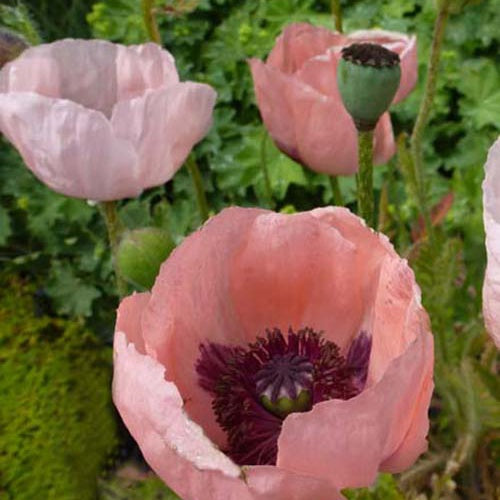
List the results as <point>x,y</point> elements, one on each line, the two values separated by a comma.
<point>101,121</point>
<point>299,101</point>
<point>491,215</point>
<point>276,357</point>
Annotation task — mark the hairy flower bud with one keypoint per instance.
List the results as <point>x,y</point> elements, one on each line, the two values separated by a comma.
<point>368,77</point>
<point>141,253</point>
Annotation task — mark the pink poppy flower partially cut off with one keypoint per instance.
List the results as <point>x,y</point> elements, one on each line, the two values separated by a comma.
<point>491,215</point>
<point>101,121</point>
<point>276,357</point>
<point>298,98</point>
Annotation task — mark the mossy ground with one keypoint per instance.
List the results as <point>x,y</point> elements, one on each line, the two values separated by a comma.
<point>57,425</point>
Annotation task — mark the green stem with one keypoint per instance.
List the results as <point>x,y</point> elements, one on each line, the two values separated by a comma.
<point>337,193</point>
<point>364,177</point>
<point>265,170</point>
<point>426,107</point>
<point>201,198</point>
<point>414,183</point>
<point>114,228</point>
<point>337,14</point>
<point>150,21</point>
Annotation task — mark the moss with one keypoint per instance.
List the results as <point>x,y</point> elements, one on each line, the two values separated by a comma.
<point>57,425</point>
<point>385,488</point>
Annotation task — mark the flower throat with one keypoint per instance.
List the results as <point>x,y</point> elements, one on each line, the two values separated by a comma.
<point>254,388</point>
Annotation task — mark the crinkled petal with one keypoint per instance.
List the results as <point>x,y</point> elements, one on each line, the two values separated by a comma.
<point>392,296</point>
<point>164,125</point>
<point>143,67</point>
<point>70,148</point>
<point>348,441</point>
<point>191,304</point>
<point>298,43</point>
<point>404,45</point>
<point>296,271</point>
<point>76,69</point>
<point>491,216</point>
<point>177,448</point>
<point>394,321</point>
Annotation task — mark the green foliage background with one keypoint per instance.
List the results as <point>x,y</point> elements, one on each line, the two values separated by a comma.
<point>59,243</point>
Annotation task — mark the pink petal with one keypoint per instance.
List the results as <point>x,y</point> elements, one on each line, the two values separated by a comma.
<point>191,303</point>
<point>128,318</point>
<point>143,67</point>
<point>274,483</point>
<point>320,73</point>
<point>285,276</point>
<point>176,447</point>
<point>163,126</point>
<point>298,43</point>
<point>377,429</point>
<point>404,45</point>
<point>70,148</point>
<point>415,441</point>
<point>50,70</point>
<point>272,94</point>
<point>349,440</point>
<point>491,215</point>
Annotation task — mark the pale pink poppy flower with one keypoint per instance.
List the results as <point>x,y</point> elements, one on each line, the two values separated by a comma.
<point>101,121</point>
<point>491,215</point>
<point>255,309</point>
<point>298,98</point>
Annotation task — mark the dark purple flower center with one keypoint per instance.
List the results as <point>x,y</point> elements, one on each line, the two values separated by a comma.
<point>256,387</point>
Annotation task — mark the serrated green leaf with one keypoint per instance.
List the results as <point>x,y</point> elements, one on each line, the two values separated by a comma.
<point>70,293</point>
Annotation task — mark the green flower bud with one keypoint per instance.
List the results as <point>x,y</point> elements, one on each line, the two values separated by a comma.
<point>141,253</point>
<point>284,406</point>
<point>368,77</point>
<point>11,45</point>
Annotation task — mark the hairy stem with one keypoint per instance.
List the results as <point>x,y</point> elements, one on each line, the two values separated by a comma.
<point>336,192</point>
<point>426,107</point>
<point>150,21</point>
<point>364,177</point>
<point>337,15</point>
<point>114,228</point>
<point>201,198</point>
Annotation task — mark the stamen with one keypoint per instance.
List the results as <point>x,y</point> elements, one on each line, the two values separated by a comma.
<point>255,388</point>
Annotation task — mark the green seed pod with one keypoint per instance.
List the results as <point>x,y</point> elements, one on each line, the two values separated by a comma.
<point>368,77</point>
<point>11,45</point>
<point>141,253</point>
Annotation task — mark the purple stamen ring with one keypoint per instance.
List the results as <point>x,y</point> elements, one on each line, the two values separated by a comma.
<point>255,388</point>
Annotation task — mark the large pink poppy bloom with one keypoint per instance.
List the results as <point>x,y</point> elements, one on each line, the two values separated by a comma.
<point>491,215</point>
<point>300,104</point>
<point>256,308</point>
<point>101,121</point>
